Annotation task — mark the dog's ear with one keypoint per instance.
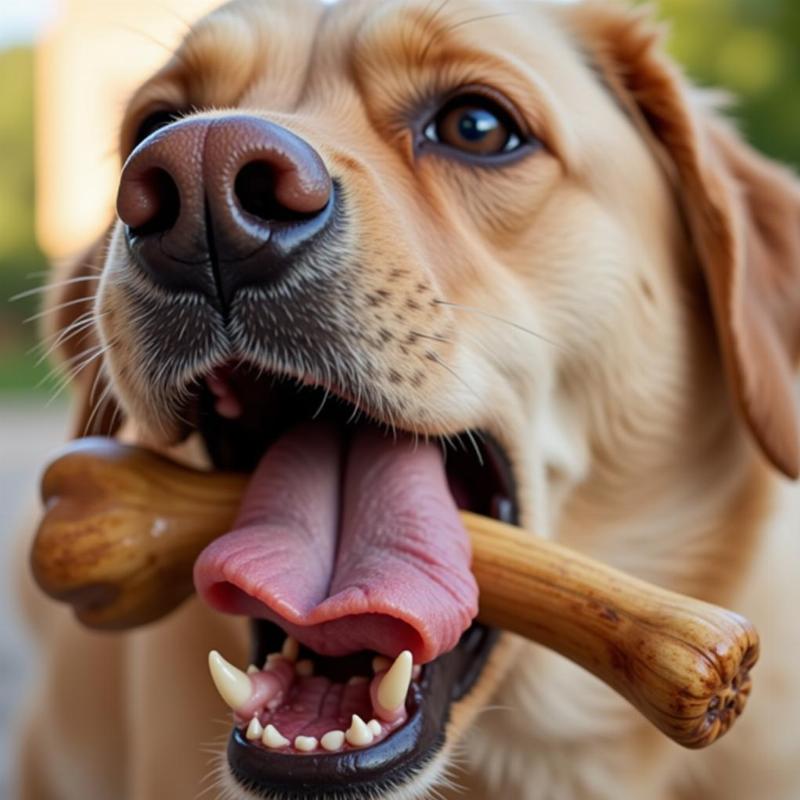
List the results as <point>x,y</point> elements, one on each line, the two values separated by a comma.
<point>742,211</point>
<point>71,326</point>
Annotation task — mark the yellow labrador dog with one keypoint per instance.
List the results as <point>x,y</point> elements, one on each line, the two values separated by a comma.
<point>398,257</point>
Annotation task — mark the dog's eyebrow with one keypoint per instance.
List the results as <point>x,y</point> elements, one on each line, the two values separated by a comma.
<point>414,53</point>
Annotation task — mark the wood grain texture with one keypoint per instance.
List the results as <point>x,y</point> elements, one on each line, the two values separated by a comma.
<point>122,529</point>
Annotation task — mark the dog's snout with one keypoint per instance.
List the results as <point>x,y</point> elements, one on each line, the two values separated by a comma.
<point>214,205</point>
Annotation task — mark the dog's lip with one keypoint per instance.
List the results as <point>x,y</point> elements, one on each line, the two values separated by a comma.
<point>402,755</point>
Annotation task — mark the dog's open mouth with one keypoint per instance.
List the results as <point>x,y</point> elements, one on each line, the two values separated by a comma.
<point>350,558</point>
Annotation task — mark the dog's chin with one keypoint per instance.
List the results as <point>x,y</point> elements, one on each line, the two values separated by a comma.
<point>240,413</point>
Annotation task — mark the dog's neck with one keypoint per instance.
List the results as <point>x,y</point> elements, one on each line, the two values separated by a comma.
<point>679,500</point>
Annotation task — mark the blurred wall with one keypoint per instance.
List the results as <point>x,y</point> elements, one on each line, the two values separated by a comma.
<point>87,66</point>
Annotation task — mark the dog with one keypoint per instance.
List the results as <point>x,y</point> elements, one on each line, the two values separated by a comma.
<point>505,228</point>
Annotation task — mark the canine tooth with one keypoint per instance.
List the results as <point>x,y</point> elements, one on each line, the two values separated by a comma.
<point>381,663</point>
<point>272,738</point>
<point>375,727</point>
<point>332,741</point>
<point>357,680</point>
<point>358,734</point>
<point>304,668</point>
<point>416,672</point>
<point>254,730</point>
<point>305,743</point>
<point>394,685</point>
<point>291,649</point>
<point>234,686</point>
<point>252,669</point>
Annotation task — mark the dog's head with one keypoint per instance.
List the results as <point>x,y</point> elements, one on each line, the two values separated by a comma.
<point>503,229</point>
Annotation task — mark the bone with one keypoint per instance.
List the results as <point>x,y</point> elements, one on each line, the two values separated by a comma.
<point>123,527</point>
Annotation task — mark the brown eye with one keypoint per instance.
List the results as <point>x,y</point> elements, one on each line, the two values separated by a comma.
<point>475,126</point>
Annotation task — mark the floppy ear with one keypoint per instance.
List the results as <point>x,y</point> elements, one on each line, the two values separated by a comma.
<point>71,325</point>
<point>743,213</point>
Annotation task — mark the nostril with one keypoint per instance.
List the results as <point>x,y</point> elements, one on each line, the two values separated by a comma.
<point>255,190</point>
<point>149,203</point>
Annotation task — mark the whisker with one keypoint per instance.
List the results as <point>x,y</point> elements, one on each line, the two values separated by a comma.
<point>495,318</point>
<point>440,339</point>
<point>89,356</point>
<point>88,428</point>
<point>436,359</point>
<point>54,309</point>
<point>64,336</point>
<point>463,23</point>
<point>51,286</point>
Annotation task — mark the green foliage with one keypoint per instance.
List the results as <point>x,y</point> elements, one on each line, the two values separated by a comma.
<point>752,49</point>
<point>20,259</point>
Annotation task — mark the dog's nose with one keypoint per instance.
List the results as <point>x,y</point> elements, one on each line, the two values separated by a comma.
<point>215,205</point>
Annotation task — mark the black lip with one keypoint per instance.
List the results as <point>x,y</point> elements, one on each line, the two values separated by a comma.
<point>376,769</point>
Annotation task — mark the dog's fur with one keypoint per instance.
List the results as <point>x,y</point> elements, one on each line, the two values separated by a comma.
<point>621,310</point>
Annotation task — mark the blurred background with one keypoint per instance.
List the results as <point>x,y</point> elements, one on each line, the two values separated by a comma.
<point>66,69</point>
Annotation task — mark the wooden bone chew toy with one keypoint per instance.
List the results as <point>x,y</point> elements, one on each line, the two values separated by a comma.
<point>123,527</point>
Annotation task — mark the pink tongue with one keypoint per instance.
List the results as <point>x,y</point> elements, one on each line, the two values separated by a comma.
<point>381,564</point>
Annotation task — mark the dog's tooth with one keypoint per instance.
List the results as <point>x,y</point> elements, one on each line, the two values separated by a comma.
<point>332,741</point>
<point>291,649</point>
<point>271,659</point>
<point>254,730</point>
<point>394,684</point>
<point>358,734</point>
<point>252,669</point>
<point>305,744</point>
<point>304,668</point>
<point>234,686</point>
<point>273,739</point>
<point>357,680</point>
<point>381,664</point>
<point>416,672</point>
<point>375,727</point>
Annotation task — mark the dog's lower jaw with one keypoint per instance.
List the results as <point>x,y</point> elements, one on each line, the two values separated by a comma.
<point>440,775</point>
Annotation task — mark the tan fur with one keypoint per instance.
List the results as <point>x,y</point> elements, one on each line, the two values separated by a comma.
<point>617,310</point>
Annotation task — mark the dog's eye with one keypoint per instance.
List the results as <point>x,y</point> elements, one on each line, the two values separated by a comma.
<point>154,122</point>
<point>475,126</point>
